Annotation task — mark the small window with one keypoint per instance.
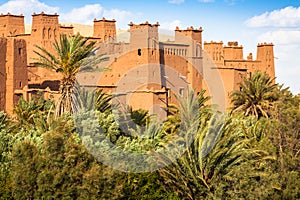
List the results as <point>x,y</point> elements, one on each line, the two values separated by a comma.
<point>20,84</point>
<point>181,91</point>
<point>139,52</point>
<point>20,51</point>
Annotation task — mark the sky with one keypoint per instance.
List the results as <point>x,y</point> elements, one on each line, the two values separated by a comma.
<point>247,21</point>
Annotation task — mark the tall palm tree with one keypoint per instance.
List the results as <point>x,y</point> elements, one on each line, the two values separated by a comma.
<point>256,96</point>
<point>72,55</point>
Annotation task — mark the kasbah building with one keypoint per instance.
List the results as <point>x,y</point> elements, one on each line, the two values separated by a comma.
<point>144,72</point>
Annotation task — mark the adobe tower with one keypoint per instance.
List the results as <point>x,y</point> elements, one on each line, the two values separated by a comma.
<point>193,37</point>
<point>105,30</point>
<point>16,70</point>
<point>11,25</point>
<point>265,55</point>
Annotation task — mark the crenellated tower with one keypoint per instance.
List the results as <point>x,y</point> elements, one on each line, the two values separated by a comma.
<point>143,36</point>
<point>44,30</point>
<point>233,51</point>
<point>192,37</point>
<point>265,55</point>
<point>105,30</point>
<point>45,27</point>
<point>216,52</point>
<point>11,25</point>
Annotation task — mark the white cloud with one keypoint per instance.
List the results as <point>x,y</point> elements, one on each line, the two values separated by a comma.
<point>287,67</point>
<point>281,27</point>
<point>83,15</point>
<point>176,1</point>
<point>86,14</point>
<point>120,16</point>
<point>27,8</point>
<point>286,17</point>
<point>170,25</point>
<point>281,37</point>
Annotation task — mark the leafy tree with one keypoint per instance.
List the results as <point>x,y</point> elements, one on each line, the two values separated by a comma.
<point>24,170</point>
<point>6,144</point>
<point>256,95</point>
<point>284,133</point>
<point>73,54</point>
<point>144,186</point>
<point>63,162</point>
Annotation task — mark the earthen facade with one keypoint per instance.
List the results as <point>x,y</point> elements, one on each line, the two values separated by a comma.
<point>144,73</point>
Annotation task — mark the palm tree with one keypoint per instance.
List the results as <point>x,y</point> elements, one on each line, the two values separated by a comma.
<point>103,101</point>
<point>208,168</point>
<point>34,114</point>
<point>73,54</point>
<point>173,120</point>
<point>256,96</point>
<point>95,100</point>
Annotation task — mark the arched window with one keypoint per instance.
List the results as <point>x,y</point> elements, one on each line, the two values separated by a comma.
<point>44,33</point>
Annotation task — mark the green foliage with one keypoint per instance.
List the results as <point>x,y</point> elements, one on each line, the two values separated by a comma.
<point>102,101</point>
<point>73,54</point>
<point>144,186</point>
<point>256,95</point>
<point>195,153</point>
<point>25,169</point>
<point>6,145</point>
<point>34,114</point>
<point>63,163</point>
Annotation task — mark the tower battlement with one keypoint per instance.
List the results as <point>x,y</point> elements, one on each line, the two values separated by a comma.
<point>182,35</point>
<point>44,19</point>
<point>265,44</point>
<point>143,25</point>
<point>233,44</point>
<point>9,14</point>
<point>214,43</point>
<point>188,29</point>
<point>144,35</point>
